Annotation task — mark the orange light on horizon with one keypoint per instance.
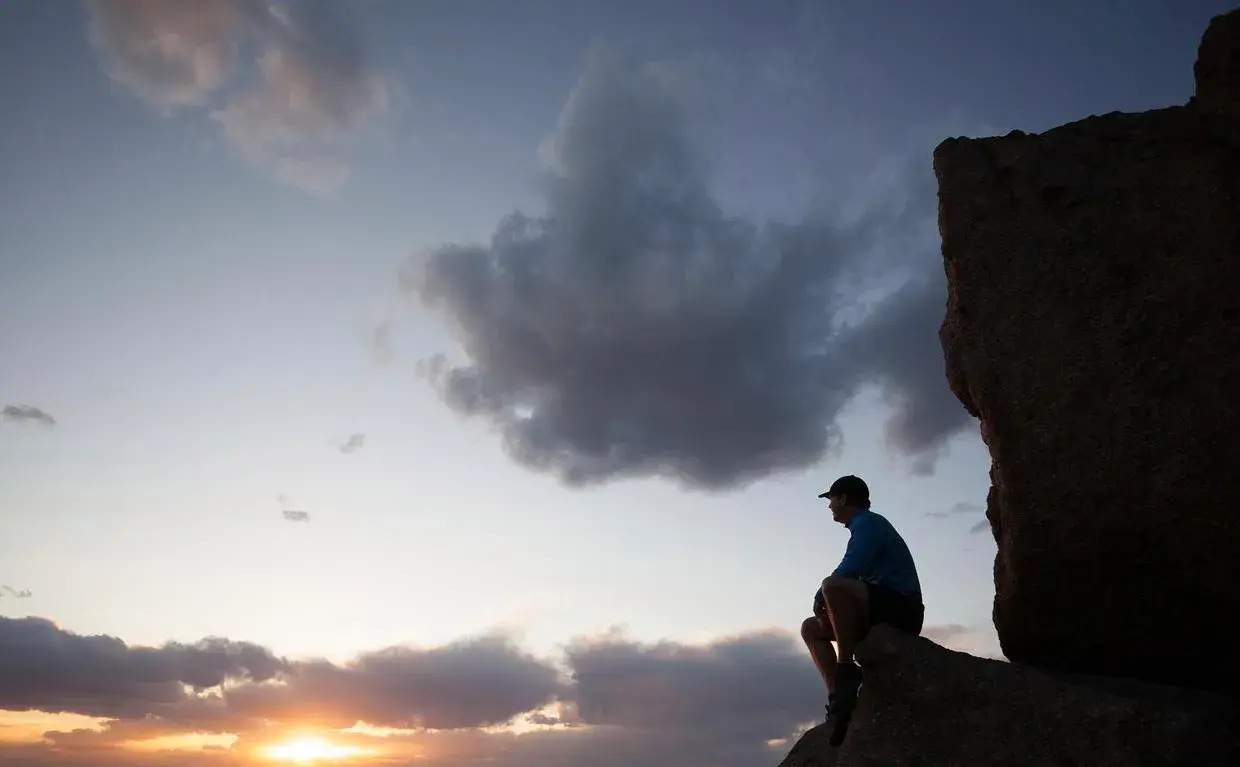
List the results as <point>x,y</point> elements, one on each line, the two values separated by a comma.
<point>310,750</point>
<point>31,726</point>
<point>190,741</point>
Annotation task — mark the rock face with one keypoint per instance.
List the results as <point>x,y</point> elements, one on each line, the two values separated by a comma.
<point>1093,324</point>
<point>922,704</point>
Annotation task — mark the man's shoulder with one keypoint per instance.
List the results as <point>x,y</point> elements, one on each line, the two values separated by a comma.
<point>872,517</point>
<point>874,521</point>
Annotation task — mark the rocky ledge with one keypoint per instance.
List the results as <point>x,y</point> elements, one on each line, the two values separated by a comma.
<point>922,704</point>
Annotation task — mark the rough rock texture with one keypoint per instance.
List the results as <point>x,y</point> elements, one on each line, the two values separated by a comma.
<point>922,704</point>
<point>1093,324</point>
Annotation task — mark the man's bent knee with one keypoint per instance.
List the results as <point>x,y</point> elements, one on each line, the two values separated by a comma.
<point>814,629</point>
<point>810,629</point>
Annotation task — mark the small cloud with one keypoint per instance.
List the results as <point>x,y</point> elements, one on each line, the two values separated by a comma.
<point>977,640</point>
<point>291,515</point>
<point>381,339</point>
<point>945,632</point>
<point>288,85</point>
<point>960,508</point>
<point>353,443</point>
<point>28,413</point>
<point>952,636</point>
<point>23,594</point>
<point>964,508</point>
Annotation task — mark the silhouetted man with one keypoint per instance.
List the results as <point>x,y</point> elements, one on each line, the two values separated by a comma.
<point>876,582</point>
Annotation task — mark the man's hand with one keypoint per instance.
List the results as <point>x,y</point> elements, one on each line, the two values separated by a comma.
<point>820,604</point>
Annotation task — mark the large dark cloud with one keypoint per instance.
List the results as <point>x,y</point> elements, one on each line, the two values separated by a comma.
<point>637,329</point>
<point>755,687</point>
<point>46,668</point>
<point>899,346</point>
<point>731,702</point>
<point>470,683</point>
<point>219,685</point>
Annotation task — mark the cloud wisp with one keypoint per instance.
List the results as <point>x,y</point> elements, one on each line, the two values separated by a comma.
<point>957,509</point>
<point>607,701</point>
<point>354,443</point>
<point>313,93</point>
<point>636,329</point>
<point>27,414</point>
<point>964,508</point>
<point>291,514</point>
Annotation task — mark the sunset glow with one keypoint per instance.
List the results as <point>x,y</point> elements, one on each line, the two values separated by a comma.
<point>310,751</point>
<point>194,741</point>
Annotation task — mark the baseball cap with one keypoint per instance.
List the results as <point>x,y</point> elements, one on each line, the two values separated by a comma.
<point>849,485</point>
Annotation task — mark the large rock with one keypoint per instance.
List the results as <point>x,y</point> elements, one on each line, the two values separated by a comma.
<point>922,704</point>
<point>1093,324</point>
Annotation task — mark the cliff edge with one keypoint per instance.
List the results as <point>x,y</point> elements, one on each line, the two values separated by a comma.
<point>1093,325</point>
<point>922,704</point>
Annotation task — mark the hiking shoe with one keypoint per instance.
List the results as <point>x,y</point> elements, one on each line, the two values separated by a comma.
<point>843,701</point>
<point>841,716</point>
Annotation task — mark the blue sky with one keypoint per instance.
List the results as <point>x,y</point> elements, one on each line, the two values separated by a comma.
<point>205,214</point>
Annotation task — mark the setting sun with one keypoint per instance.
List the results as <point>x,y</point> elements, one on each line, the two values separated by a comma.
<point>310,751</point>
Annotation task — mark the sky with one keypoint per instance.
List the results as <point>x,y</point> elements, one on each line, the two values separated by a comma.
<point>452,382</point>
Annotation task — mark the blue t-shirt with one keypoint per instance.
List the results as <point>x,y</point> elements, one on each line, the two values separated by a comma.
<point>877,554</point>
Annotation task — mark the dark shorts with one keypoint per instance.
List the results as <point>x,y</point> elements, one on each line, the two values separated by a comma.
<point>897,610</point>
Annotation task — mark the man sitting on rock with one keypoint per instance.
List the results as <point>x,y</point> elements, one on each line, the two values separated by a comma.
<point>876,582</point>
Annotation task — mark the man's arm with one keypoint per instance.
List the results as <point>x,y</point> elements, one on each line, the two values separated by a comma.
<point>863,547</point>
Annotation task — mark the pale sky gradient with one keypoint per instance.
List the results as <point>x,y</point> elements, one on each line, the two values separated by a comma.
<point>196,307</point>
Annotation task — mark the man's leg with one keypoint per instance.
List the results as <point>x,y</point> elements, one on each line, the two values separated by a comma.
<point>817,635</point>
<point>848,604</point>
